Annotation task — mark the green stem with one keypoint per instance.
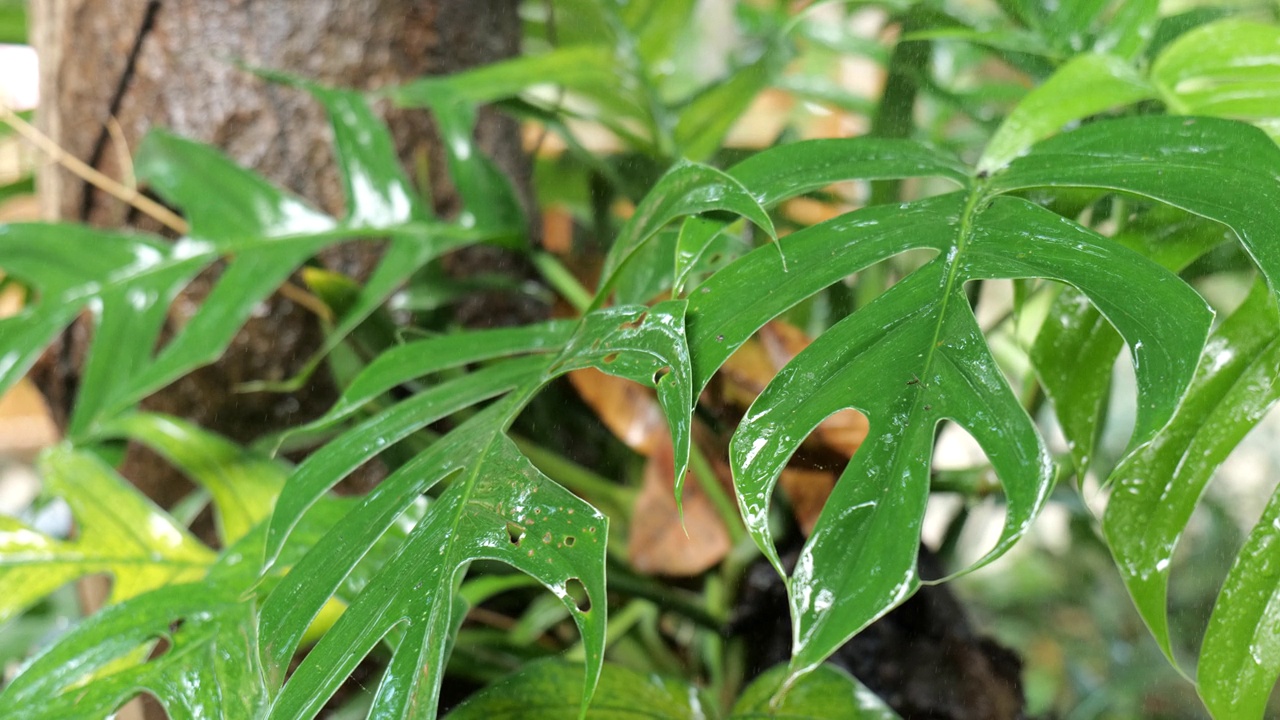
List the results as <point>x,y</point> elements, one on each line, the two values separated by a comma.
<point>623,580</point>
<point>706,477</point>
<point>562,281</point>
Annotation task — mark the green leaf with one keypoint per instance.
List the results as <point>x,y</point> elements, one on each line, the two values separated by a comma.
<point>1218,169</point>
<point>1229,68</point>
<point>784,172</point>
<point>686,189</point>
<point>499,507</point>
<point>703,122</point>
<point>208,668</point>
<point>1159,485</point>
<point>1130,29</point>
<point>1086,85</point>
<point>550,690</point>
<point>648,346</point>
<point>592,72</point>
<point>243,485</point>
<point>421,358</point>
<point>827,693</point>
<point>1240,657</point>
<point>1075,351</point>
<point>120,533</point>
<point>128,282</point>
<point>912,358</point>
<point>342,455</point>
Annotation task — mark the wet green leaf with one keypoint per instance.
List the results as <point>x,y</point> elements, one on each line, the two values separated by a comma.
<point>342,455</point>
<point>1229,68</point>
<point>1076,348</point>
<point>687,189</point>
<point>549,690</point>
<point>1159,485</point>
<point>827,693</point>
<point>1218,169</point>
<point>1240,657</point>
<point>208,667</point>
<point>785,172</point>
<point>912,358</point>
<point>120,533</point>
<point>648,346</point>
<point>497,507</point>
<point>1086,85</point>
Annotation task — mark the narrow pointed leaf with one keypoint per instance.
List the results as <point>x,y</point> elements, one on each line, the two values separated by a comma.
<point>1222,170</point>
<point>243,484</point>
<point>1240,657</point>
<point>338,458</point>
<point>418,359</point>
<point>784,172</point>
<point>1086,85</point>
<point>498,508</point>
<point>686,189</point>
<point>1158,487</point>
<point>221,200</point>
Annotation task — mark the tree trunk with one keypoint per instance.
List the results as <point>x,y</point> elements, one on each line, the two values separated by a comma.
<point>110,71</point>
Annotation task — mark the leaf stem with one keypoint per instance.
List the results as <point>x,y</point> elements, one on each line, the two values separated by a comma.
<point>562,281</point>
<point>706,477</point>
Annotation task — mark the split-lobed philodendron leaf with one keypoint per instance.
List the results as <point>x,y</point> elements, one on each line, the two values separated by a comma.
<point>495,505</point>
<point>1158,487</point>
<point>207,666</point>
<point>915,356</point>
<point>127,282</point>
<point>121,533</point>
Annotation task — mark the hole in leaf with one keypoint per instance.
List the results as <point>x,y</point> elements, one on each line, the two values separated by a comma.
<point>569,540</point>
<point>661,373</point>
<point>162,646</point>
<point>634,324</point>
<point>515,533</point>
<point>578,591</point>
<point>610,358</point>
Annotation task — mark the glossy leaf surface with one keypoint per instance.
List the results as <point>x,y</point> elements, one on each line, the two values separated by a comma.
<point>1218,169</point>
<point>828,693</point>
<point>1240,657</point>
<point>923,333</point>
<point>1158,487</point>
<point>1228,68</point>
<point>208,667</point>
<point>498,508</point>
<point>121,533</point>
<point>781,173</point>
